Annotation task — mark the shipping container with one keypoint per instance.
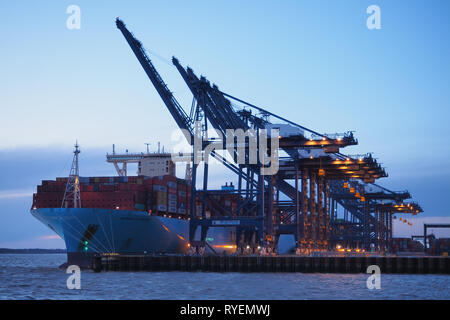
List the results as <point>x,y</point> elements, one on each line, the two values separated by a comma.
<point>161,208</point>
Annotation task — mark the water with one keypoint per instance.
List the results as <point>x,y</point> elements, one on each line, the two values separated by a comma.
<point>27,276</point>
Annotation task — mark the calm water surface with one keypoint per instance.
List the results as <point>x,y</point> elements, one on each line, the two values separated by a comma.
<point>29,276</point>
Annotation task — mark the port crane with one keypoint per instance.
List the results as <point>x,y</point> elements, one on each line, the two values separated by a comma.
<point>300,199</point>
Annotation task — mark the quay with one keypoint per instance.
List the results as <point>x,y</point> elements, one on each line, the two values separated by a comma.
<point>291,263</point>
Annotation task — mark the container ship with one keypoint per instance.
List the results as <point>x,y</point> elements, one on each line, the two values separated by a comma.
<point>143,214</point>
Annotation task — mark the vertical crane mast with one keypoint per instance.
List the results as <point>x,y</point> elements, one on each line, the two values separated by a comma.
<point>177,112</point>
<point>72,192</point>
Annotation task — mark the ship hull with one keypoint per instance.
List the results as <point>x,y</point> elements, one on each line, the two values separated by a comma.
<point>88,231</point>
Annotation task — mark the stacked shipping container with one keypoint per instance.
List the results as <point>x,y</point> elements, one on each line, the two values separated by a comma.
<point>163,195</point>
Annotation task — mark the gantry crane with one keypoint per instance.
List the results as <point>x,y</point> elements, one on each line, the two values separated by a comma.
<point>298,199</point>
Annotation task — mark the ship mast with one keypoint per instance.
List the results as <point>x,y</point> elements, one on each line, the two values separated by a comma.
<point>72,192</point>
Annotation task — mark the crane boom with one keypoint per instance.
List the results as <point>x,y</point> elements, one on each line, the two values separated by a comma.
<point>177,112</point>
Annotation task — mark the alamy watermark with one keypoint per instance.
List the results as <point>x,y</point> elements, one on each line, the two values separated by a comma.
<point>74,280</point>
<point>73,22</point>
<point>374,280</point>
<point>374,20</point>
<point>250,147</point>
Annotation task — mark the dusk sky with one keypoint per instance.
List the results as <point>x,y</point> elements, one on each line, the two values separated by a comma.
<point>313,62</point>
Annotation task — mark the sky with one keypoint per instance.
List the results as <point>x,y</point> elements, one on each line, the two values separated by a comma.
<point>313,62</point>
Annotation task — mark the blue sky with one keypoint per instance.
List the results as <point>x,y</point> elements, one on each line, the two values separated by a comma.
<point>314,62</point>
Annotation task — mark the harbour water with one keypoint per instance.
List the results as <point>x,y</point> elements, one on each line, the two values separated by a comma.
<point>37,276</point>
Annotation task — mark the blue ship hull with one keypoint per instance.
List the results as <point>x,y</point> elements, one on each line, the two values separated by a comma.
<point>89,231</point>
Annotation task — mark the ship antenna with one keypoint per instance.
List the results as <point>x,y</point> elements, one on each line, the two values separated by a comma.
<point>72,192</point>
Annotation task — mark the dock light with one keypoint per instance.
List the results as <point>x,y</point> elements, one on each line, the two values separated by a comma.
<point>338,246</point>
<point>259,247</point>
<point>311,157</point>
<point>117,208</point>
<point>225,246</point>
<point>248,247</point>
<point>348,159</point>
<point>324,138</point>
<point>339,139</point>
